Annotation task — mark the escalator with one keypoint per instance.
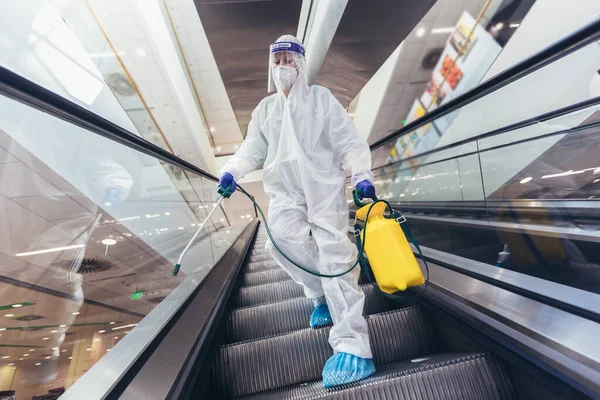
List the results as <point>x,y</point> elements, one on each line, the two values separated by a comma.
<point>270,353</point>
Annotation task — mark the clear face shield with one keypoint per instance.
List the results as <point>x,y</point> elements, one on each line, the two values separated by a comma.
<point>285,63</point>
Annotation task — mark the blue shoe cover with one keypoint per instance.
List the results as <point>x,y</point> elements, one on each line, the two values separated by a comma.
<point>320,316</point>
<point>342,368</point>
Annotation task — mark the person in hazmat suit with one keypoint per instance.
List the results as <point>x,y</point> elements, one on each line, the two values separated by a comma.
<point>306,140</point>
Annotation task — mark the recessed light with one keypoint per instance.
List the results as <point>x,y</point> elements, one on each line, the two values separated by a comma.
<point>140,52</point>
<point>97,340</point>
<point>420,32</point>
<point>107,350</point>
<point>219,148</point>
<point>11,364</point>
<point>62,326</point>
<point>5,357</point>
<point>167,213</point>
<point>30,350</point>
<point>25,355</point>
<point>47,358</point>
<point>2,329</point>
<point>46,338</point>
<point>55,348</point>
<point>102,331</point>
<point>70,358</point>
<point>54,331</point>
<point>9,315</point>
<point>76,313</point>
<point>63,351</point>
<point>116,337</point>
<point>437,31</point>
<point>17,305</point>
<point>112,322</point>
<point>109,242</point>
<point>38,364</point>
<point>525,180</point>
<point>213,129</point>
<point>88,349</point>
<point>21,359</point>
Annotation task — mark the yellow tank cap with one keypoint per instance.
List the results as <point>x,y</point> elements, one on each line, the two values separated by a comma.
<point>377,211</point>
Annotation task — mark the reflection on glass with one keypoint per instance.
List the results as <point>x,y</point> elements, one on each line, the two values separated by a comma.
<point>90,233</point>
<point>456,46</point>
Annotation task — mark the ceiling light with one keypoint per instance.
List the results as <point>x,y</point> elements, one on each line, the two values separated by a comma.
<point>31,350</point>
<point>122,327</point>
<point>595,181</point>
<point>52,250</point>
<point>219,148</point>
<point>64,351</point>
<point>21,359</point>
<point>525,180</point>
<point>5,357</point>
<point>107,350</point>
<point>62,326</point>
<point>237,146</point>
<point>515,25</point>
<point>112,322</point>
<point>499,25</point>
<point>152,215</point>
<point>193,225</point>
<point>25,355</point>
<point>47,358</point>
<point>222,219</point>
<point>116,337</point>
<point>107,203</point>
<point>54,331</point>
<point>9,315</point>
<point>38,363</point>
<point>70,358</point>
<point>76,313</point>
<point>127,234</point>
<point>97,340</point>
<point>227,231</point>
<point>88,349</point>
<point>242,217</point>
<point>167,213</point>
<point>140,52</point>
<point>17,305</point>
<point>102,331</point>
<point>180,228</point>
<point>11,364</point>
<point>2,329</point>
<point>126,332</point>
<point>420,32</point>
<point>55,348</point>
<point>46,338</point>
<point>248,216</point>
<point>212,129</point>
<point>438,31</point>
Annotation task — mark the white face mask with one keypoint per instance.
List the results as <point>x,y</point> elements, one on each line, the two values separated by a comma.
<point>285,76</point>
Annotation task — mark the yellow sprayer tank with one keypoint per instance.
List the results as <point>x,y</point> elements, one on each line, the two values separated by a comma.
<point>391,258</point>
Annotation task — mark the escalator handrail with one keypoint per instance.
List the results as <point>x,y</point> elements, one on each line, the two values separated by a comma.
<point>548,55</point>
<point>14,86</point>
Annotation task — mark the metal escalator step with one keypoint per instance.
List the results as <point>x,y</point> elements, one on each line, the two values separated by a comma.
<point>290,315</point>
<point>440,377</point>
<point>263,277</point>
<point>297,357</point>
<point>261,257</point>
<point>261,266</point>
<point>268,293</point>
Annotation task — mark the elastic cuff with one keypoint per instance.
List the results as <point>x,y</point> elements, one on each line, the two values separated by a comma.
<point>357,178</point>
<point>318,300</point>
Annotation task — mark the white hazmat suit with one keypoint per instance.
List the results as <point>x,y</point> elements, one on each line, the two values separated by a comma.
<point>307,141</point>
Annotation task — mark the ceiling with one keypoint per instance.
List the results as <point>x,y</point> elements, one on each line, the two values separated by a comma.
<point>368,33</point>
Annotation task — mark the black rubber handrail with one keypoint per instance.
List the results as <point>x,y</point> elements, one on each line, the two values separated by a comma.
<point>557,50</point>
<point>25,91</point>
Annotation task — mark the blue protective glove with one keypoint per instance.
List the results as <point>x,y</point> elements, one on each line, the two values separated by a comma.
<point>320,316</point>
<point>225,182</point>
<point>342,368</point>
<point>365,189</point>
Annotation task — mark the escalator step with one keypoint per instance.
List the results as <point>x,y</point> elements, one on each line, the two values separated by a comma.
<point>268,293</point>
<point>440,377</point>
<point>290,315</point>
<point>261,257</point>
<point>261,266</point>
<point>264,364</point>
<point>262,277</point>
